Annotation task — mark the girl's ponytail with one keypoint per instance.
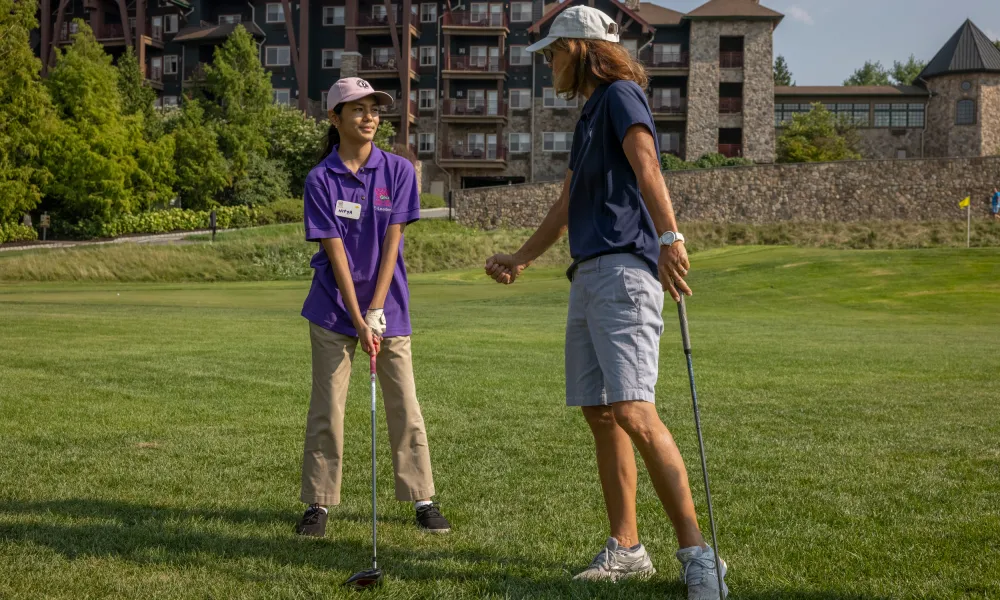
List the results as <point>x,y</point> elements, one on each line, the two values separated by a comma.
<point>332,136</point>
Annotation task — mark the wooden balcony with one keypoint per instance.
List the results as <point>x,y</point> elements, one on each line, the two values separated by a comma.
<point>731,60</point>
<point>474,157</point>
<point>730,106</point>
<point>371,25</point>
<point>461,110</point>
<point>463,66</point>
<point>665,63</point>
<point>731,150</point>
<point>395,112</point>
<point>154,77</point>
<point>674,109</point>
<point>377,68</point>
<point>463,22</point>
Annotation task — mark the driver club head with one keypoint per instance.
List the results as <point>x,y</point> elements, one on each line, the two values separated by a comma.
<point>365,579</point>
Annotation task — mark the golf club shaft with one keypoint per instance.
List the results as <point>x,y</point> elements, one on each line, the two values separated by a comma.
<point>686,339</point>
<point>374,518</point>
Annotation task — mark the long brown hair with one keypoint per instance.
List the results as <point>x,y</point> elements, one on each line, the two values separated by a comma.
<point>599,62</point>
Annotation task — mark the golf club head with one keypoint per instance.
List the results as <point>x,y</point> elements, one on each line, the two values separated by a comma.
<point>365,579</point>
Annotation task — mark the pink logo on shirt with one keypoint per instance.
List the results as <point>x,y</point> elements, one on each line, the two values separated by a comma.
<point>382,199</point>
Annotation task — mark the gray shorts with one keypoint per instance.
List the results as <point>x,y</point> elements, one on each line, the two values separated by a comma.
<point>613,332</point>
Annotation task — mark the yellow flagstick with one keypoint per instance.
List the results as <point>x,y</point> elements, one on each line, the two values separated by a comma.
<point>967,205</point>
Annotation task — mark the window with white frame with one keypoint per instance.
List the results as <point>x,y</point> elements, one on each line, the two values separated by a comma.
<point>670,141</point>
<point>381,56</point>
<point>520,99</point>
<point>428,56</point>
<point>282,96</point>
<point>632,46</point>
<point>228,19</point>
<point>428,13</point>
<point>559,141</point>
<point>519,57</point>
<point>170,65</point>
<point>322,99</point>
<point>379,13</point>
<point>520,12</point>
<point>277,56</point>
<point>476,99</point>
<point>157,26</point>
<point>550,99</point>
<point>275,13</point>
<point>169,101</point>
<point>333,16</point>
<point>480,12</point>
<point>170,23</point>
<point>426,142</point>
<point>520,142</point>
<point>427,99</point>
<point>477,141</point>
<point>331,58</point>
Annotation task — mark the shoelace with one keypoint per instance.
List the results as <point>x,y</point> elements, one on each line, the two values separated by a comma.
<point>706,566</point>
<point>312,516</point>
<point>604,558</point>
<point>431,511</point>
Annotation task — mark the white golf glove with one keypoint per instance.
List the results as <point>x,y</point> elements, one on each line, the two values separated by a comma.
<point>375,319</point>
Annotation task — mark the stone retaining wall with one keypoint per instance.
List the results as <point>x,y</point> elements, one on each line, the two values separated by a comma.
<point>878,190</point>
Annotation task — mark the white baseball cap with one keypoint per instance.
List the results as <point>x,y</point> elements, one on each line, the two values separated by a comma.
<point>581,23</point>
<point>350,89</point>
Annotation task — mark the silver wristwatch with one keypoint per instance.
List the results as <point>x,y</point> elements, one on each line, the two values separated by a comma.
<point>668,238</point>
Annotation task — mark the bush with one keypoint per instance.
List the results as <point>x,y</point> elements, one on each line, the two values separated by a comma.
<point>265,182</point>
<point>162,221</point>
<point>15,232</point>
<point>431,201</point>
<point>669,162</point>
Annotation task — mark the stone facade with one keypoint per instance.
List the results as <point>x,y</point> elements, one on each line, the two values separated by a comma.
<point>944,136</point>
<point>911,190</point>
<point>349,64</point>
<point>703,119</point>
<point>882,143</point>
<point>550,166</point>
<point>989,114</point>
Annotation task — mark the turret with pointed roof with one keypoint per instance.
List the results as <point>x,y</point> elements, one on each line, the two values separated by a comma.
<point>968,51</point>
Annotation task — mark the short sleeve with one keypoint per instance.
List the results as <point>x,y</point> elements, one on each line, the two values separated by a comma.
<point>627,106</point>
<point>318,213</point>
<point>406,201</point>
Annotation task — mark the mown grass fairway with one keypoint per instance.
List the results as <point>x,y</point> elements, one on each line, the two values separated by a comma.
<point>151,436</point>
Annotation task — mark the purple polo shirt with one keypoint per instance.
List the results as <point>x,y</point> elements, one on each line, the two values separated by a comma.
<point>386,190</point>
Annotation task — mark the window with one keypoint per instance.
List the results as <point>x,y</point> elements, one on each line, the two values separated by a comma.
<point>169,101</point>
<point>275,13</point>
<point>783,112</point>
<point>427,99</point>
<point>333,15</point>
<point>225,19</point>
<point>171,24</point>
<point>379,13</point>
<point>170,65</point>
<point>428,56</point>
<point>331,58</point>
<point>520,142</point>
<point>477,141</point>
<point>892,115</point>
<point>901,153</point>
<point>381,56</point>
<point>277,56</point>
<point>670,141</point>
<point>552,100</point>
<point>664,98</point>
<point>428,14</point>
<point>476,99</point>
<point>322,99</point>
<point>917,117</point>
<point>520,12</point>
<point>426,142</point>
<point>480,12</point>
<point>518,56</point>
<point>883,115</point>
<point>520,99</point>
<point>965,113</point>
<point>282,96</point>
<point>557,142</point>
<point>157,27</point>
<point>632,46</point>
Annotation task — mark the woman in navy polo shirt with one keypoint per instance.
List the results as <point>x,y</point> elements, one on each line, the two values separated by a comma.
<point>626,252</point>
<point>358,200</point>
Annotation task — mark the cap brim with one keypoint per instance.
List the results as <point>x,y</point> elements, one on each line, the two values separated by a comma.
<point>541,44</point>
<point>383,99</point>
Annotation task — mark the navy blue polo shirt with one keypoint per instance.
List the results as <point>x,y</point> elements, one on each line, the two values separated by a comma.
<point>607,214</point>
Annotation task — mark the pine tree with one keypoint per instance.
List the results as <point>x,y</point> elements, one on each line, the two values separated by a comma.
<point>782,74</point>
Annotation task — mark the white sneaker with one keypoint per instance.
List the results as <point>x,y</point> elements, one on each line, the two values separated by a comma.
<point>698,573</point>
<point>615,563</point>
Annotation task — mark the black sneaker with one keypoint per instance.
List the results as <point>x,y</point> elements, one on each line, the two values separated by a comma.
<point>429,519</point>
<point>313,522</point>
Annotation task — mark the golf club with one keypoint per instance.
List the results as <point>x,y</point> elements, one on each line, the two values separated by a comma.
<point>682,313</point>
<point>372,577</point>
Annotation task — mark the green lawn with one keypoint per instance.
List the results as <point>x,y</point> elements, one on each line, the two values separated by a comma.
<point>151,435</point>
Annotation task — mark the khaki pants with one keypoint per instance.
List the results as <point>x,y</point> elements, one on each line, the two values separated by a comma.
<point>332,354</point>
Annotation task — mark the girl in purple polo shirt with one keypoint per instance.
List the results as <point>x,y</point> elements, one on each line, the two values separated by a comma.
<point>358,200</point>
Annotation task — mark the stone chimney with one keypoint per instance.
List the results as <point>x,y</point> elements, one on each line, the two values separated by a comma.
<point>632,4</point>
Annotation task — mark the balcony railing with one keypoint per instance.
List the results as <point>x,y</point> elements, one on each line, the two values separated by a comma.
<point>665,60</point>
<point>463,152</point>
<point>730,106</point>
<point>462,107</point>
<point>385,64</point>
<point>464,18</point>
<point>366,19</point>
<point>155,74</point>
<point>397,107</point>
<point>482,64</point>
<point>668,106</point>
<point>731,150</point>
<point>731,60</point>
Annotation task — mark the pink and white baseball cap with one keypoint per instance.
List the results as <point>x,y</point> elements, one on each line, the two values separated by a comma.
<point>350,89</point>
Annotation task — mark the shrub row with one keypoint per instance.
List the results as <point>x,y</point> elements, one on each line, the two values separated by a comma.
<point>15,232</point>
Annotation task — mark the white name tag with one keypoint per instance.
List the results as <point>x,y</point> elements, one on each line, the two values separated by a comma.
<point>348,210</point>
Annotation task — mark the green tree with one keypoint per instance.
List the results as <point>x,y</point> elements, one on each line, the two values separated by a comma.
<point>27,119</point>
<point>201,168</point>
<point>265,182</point>
<point>296,142</point>
<point>997,44</point>
<point>906,73</point>
<point>873,73</point>
<point>384,135</point>
<point>242,107</point>
<point>782,74</point>
<point>137,97</point>
<point>817,136</point>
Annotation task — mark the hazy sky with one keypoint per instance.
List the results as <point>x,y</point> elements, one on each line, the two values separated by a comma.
<point>825,40</point>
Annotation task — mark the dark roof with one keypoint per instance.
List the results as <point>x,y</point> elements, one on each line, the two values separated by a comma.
<point>968,51</point>
<point>849,90</point>
<point>210,33</point>
<point>659,15</point>
<point>744,10</point>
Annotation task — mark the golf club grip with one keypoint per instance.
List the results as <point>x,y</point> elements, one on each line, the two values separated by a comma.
<point>682,314</point>
<point>372,362</point>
